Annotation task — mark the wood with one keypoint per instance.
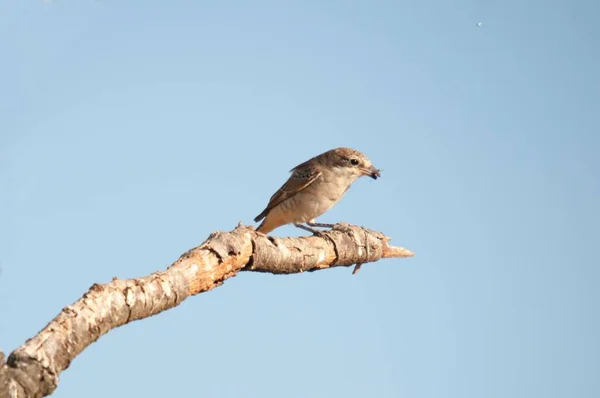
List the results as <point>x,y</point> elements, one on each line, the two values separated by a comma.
<point>33,369</point>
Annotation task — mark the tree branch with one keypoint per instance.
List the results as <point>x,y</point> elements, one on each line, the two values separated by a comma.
<point>32,370</point>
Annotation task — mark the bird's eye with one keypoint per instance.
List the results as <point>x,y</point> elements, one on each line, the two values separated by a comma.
<point>354,162</point>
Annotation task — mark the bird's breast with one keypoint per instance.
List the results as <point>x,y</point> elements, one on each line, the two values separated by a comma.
<point>333,184</point>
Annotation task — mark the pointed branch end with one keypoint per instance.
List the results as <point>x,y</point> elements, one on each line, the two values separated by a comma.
<point>396,252</point>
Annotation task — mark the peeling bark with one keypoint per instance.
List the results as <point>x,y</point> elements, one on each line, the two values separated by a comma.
<point>33,369</point>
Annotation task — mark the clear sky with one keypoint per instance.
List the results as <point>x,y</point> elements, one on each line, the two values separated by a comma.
<point>130,130</point>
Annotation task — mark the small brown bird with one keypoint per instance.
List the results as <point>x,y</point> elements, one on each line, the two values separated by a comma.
<point>313,188</point>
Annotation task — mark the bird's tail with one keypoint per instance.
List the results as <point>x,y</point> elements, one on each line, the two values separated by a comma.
<point>261,215</point>
<point>264,227</point>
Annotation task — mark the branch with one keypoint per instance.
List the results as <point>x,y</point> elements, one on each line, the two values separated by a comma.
<point>32,370</point>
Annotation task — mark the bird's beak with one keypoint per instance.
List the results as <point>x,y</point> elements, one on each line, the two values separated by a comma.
<point>372,172</point>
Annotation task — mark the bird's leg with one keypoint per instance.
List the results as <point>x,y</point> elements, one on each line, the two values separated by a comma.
<point>313,223</point>
<point>309,229</point>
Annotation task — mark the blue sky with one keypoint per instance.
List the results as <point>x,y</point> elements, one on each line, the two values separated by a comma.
<point>131,130</point>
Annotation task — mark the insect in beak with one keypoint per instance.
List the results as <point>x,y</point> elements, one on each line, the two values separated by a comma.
<point>373,172</point>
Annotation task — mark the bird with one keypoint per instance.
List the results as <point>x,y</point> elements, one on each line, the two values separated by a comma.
<point>313,188</point>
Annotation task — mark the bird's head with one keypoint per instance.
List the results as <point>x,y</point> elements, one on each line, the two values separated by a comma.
<point>351,162</point>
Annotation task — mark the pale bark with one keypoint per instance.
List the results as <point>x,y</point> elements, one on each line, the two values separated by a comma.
<point>33,369</point>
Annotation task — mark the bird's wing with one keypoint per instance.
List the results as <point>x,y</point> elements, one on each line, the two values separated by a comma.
<point>303,175</point>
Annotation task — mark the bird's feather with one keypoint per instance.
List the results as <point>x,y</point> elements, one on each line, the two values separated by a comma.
<point>303,175</point>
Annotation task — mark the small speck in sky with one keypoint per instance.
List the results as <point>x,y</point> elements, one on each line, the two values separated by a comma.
<point>479,24</point>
